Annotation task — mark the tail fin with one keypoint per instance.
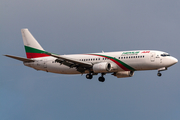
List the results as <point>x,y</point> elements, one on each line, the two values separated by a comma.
<point>32,47</point>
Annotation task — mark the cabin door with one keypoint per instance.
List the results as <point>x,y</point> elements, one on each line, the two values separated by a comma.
<point>152,57</point>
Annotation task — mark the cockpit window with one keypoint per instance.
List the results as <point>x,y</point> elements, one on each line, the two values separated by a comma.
<point>165,54</point>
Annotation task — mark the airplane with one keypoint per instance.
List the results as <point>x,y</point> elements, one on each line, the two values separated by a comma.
<point>121,64</point>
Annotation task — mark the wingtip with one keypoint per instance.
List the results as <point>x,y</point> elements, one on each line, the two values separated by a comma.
<point>6,55</point>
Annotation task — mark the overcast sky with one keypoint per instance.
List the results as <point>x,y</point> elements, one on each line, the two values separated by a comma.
<point>88,26</point>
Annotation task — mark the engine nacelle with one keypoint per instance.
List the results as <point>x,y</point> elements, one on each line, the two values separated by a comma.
<point>124,74</point>
<point>102,67</point>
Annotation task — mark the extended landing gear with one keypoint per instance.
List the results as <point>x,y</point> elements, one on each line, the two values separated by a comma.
<point>101,79</point>
<point>161,69</point>
<point>159,74</point>
<point>89,76</point>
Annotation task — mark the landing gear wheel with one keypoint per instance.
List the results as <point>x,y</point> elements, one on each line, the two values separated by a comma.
<point>89,76</point>
<point>159,74</point>
<point>101,79</point>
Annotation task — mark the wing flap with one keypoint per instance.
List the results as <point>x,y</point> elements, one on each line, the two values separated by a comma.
<point>20,58</point>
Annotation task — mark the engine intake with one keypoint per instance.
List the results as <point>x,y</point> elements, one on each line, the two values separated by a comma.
<point>102,67</point>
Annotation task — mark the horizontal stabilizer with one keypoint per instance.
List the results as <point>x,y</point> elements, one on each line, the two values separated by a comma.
<point>20,58</point>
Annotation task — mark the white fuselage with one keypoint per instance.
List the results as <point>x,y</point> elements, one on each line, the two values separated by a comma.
<point>121,64</point>
<point>123,61</point>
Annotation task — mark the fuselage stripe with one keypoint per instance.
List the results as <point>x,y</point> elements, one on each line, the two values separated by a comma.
<point>121,64</point>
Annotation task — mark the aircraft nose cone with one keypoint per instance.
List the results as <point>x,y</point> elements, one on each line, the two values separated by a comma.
<point>174,60</point>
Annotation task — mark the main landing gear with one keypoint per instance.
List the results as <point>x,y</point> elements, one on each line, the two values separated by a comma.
<point>101,78</point>
<point>89,76</point>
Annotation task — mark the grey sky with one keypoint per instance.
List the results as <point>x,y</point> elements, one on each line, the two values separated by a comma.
<point>81,26</point>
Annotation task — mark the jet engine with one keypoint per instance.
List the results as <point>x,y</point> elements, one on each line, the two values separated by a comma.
<point>102,67</point>
<point>123,74</point>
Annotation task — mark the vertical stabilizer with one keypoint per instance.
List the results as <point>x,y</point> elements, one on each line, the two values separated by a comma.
<point>32,47</point>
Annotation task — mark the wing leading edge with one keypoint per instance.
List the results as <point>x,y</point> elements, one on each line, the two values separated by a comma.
<point>80,65</point>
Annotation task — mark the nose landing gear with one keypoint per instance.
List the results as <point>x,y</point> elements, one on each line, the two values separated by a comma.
<point>161,69</point>
<point>159,74</point>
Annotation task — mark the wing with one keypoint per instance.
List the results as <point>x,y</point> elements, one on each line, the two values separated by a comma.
<point>20,58</point>
<point>70,62</point>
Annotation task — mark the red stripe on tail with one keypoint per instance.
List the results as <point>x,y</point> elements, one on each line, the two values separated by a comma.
<point>36,55</point>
